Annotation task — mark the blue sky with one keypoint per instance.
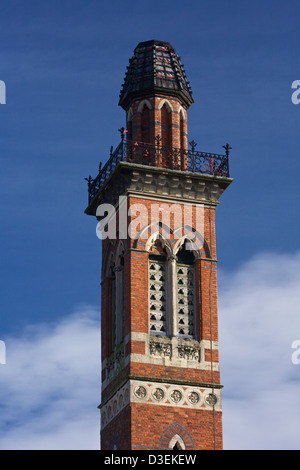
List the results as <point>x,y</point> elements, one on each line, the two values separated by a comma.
<point>63,63</point>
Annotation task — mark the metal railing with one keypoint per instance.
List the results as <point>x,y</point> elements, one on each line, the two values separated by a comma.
<point>159,156</point>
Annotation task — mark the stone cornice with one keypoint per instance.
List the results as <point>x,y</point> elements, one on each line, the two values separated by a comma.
<point>162,183</point>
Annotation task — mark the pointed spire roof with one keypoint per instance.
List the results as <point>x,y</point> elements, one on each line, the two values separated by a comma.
<point>155,67</point>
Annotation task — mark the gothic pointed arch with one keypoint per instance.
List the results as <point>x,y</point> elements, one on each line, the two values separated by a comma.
<point>176,433</point>
<point>159,237</point>
<point>182,113</point>
<point>144,110</point>
<point>108,261</point>
<point>142,104</point>
<point>150,231</point>
<point>198,244</point>
<point>183,136</point>
<point>176,443</point>
<point>165,102</point>
<point>166,125</point>
<point>112,252</point>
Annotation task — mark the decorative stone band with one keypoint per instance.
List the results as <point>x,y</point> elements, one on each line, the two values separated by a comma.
<point>188,354</point>
<point>174,352</point>
<point>183,350</point>
<point>162,394</point>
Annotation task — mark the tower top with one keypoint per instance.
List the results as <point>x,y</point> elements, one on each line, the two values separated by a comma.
<point>155,67</point>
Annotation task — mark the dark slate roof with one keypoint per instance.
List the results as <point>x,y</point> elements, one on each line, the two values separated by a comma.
<point>155,67</point>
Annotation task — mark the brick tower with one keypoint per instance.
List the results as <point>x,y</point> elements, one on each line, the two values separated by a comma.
<point>155,201</point>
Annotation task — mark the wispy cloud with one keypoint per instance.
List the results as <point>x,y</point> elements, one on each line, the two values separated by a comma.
<point>50,385</point>
<point>259,313</point>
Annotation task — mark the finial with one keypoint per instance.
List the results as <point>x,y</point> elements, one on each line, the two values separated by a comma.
<point>227,148</point>
<point>122,132</point>
<point>158,140</point>
<point>89,180</point>
<point>193,145</point>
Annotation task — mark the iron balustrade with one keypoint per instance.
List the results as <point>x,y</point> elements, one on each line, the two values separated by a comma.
<point>160,156</point>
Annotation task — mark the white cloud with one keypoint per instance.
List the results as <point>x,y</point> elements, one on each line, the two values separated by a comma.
<point>50,385</point>
<point>259,317</point>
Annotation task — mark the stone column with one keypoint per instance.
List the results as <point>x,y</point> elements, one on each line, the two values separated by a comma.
<point>172,295</point>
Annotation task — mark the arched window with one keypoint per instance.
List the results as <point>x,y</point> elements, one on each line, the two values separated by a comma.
<point>172,293</point>
<point>186,291</point>
<point>166,126</point>
<point>145,124</point>
<point>183,140</point>
<point>157,289</point>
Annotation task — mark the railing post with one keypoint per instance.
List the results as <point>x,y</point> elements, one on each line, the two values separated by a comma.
<point>89,180</point>
<point>122,132</point>
<point>227,148</point>
<point>193,146</point>
<point>157,150</point>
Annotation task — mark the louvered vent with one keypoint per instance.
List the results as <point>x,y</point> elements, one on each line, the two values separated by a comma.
<point>186,308</point>
<point>157,297</point>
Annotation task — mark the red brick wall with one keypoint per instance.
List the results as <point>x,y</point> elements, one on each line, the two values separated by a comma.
<point>152,420</point>
<point>170,121</point>
<point>149,427</point>
<point>119,429</point>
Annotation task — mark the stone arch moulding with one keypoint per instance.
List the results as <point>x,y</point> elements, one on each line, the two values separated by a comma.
<point>114,249</point>
<point>199,244</point>
<point>176,433</point>
<point>142,104</point>
<point>181,113</point>
<point>174,238</point>
<point>154,231</point>
<point>167,103</point>
<point>177,441</point>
